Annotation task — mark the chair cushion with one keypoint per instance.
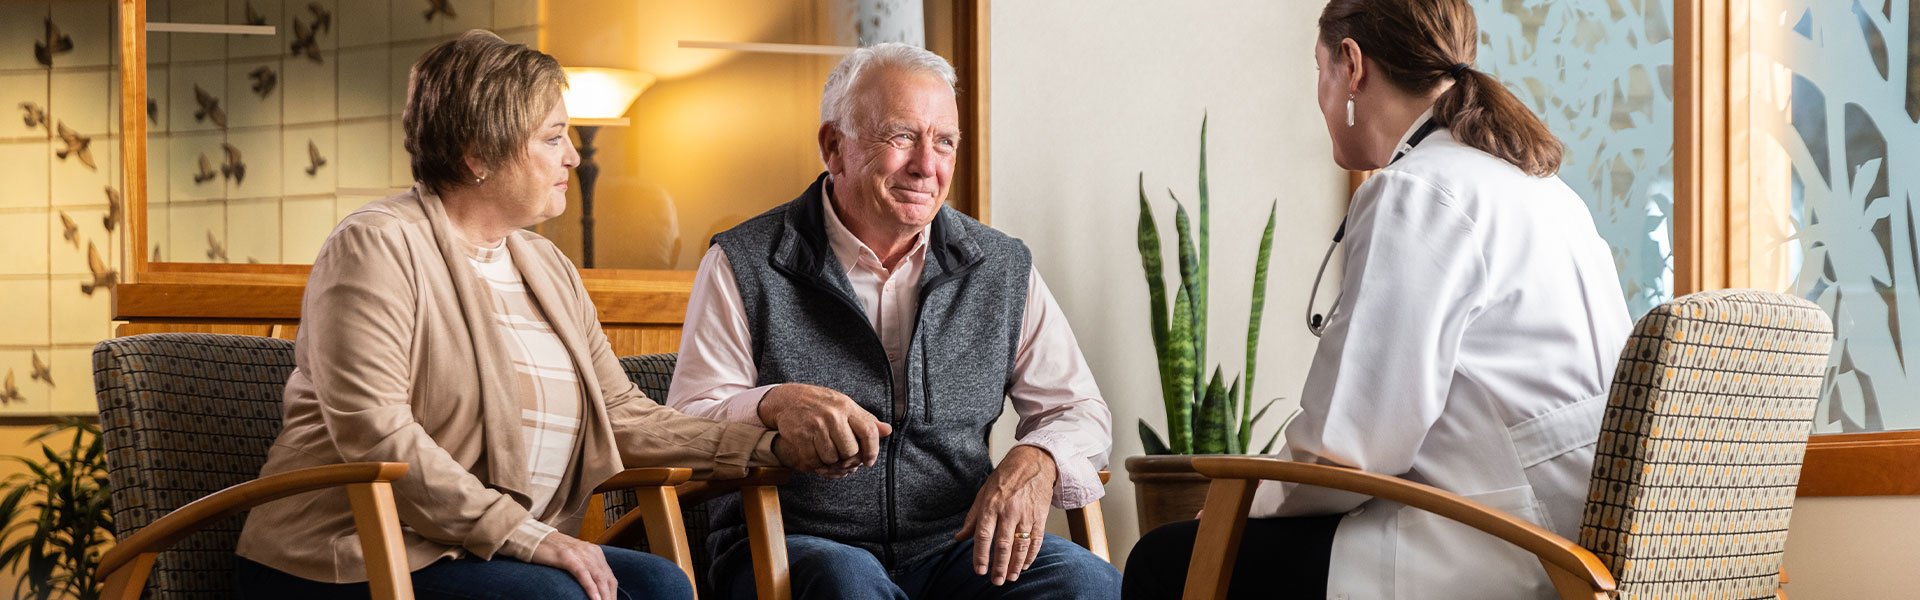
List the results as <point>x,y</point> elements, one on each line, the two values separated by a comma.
<point>1700,449</point>
<point>183,415</point>
<point>654,373</point>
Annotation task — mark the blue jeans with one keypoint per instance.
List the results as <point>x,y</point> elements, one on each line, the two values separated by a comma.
<point>824,569</point>
<point>641,576</point>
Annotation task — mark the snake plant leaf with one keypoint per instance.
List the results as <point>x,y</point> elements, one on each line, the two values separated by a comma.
<point>1204,260</point>
<point>1253,323</point>
<point>1149,242</point>
<point>1189,280</point>
<point>1181,403</point>
<point>1235,445</point>
<point>1263,410</point>
<point>1151,440</point>
<point>1150,263</point>
<point>1268,449</point>
<point>1210,422</point>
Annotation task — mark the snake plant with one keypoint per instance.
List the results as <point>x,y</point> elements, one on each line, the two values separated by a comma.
<point>1205,415</point>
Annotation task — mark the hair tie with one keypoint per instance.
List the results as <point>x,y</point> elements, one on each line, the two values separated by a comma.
<point>1458,69</point>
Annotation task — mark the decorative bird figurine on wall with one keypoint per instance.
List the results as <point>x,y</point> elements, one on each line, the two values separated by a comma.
<point>206,171</point>
<point>34,115</point>
<point>314,159</point>
<point>153,111</point>
<point>209,107</point>
<point>103,277</point>
<point>55,43</point>
<point>443,7</point>
<point>114,210</point>
<point>76,145</point>
<point>322,18</point>
<point>304,41</point>
<point>254,17</point>
<point>156,253</point>
<point>10,393</point>
<point>41,372</point>
<point>264,80</point>
<point>233,166</point>
<point>216,251</point>
<point>69,229</point>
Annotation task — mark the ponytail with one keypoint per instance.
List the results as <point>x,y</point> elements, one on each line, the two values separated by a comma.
<point>1484,115</point>
<point>1419,44</point>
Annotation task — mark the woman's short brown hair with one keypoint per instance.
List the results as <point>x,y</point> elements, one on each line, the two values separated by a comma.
<point>475,95</point>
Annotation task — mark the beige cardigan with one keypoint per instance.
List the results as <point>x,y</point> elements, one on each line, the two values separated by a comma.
<point>396,360</point>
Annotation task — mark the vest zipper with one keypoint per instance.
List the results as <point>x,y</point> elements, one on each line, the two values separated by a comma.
<point>898,422</point>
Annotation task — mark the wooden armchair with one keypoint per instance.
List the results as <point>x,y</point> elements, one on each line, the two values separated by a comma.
<point>1693,480</point>
<point>186,420</point>
<point>632,513</point>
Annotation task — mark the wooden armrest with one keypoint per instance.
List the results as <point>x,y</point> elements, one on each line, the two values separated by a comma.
<point>1576,572</point>
<point>695,492</point>
<point>1087,525</point>
<point>645,477</point>
<point>661,491</point>
<point>125,567</point>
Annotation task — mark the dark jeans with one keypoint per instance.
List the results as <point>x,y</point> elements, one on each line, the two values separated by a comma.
<point>823,569</point>
<point>1279,558</point>
<point>641,576</point>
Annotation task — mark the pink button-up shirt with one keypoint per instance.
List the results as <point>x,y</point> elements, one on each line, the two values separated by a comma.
<point>1060,407</point>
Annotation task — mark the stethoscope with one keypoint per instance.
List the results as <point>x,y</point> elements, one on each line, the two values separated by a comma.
<point>1316,322</point>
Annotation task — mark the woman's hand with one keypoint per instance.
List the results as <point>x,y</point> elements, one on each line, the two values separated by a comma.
<point>585,561</point>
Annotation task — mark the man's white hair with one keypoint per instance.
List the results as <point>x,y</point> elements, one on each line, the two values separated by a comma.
<point>836,101</point>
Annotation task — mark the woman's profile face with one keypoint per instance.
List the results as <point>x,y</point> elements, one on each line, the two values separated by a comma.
<point>536,181</point>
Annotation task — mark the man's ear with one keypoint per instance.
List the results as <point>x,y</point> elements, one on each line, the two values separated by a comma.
<point>830,138</point>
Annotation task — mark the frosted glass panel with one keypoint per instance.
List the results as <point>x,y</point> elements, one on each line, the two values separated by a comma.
<point>1834,143</point>
<point>1600,73</point>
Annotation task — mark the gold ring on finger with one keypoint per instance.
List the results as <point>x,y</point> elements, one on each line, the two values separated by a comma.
<point>1022,535</point>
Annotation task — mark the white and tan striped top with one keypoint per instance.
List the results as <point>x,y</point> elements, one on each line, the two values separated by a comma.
<point>545,380</point>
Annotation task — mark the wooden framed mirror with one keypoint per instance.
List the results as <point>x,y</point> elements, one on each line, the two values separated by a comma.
<point>257,124</point>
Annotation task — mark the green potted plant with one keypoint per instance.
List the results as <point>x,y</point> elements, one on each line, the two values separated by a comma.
<point>1205,414</point>
<point>58,516</point>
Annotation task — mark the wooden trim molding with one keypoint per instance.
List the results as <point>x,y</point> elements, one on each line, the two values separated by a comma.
<point>1700,145</point>
<point>1862,464</point>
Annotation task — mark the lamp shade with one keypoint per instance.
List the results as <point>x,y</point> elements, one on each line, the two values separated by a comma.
<point>601,96</point>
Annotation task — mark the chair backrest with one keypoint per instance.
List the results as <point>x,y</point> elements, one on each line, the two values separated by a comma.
<point>183,415</point>
<point>654,373</point>
<point>1701,446</point>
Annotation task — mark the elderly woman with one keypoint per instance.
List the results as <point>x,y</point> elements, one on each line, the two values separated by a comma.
<point>438,332</point>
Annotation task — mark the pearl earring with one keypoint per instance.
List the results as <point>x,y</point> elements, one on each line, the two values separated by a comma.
<point>1349,110</point>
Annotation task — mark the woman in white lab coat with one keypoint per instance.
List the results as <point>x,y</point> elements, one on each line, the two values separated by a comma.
<point>1469,347</point>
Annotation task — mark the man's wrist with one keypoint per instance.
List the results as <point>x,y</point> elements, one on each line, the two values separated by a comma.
<point>767,410</point>
<point>1041,460</point>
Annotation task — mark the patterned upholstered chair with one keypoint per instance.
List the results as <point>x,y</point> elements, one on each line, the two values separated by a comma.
<point>186,420</point>
<point>1697,460</point>
<point>760,503</point>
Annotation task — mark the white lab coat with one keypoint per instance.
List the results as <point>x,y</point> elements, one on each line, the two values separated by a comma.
<point>1478,326</point>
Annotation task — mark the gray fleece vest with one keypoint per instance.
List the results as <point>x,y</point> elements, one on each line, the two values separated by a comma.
<point>808,327</point>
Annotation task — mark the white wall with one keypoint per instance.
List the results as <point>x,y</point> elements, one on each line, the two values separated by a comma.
<point>1847,548</point>
<point>1085,96</point>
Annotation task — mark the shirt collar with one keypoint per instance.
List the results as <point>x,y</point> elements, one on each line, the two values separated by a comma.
<point>1402,147</point>
<point>849,249</point>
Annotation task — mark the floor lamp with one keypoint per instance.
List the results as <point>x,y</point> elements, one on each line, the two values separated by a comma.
<point>597,97</point>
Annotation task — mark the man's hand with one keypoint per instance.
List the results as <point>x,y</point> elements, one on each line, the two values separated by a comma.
<point>585,561</point>
<point>1009,515</point>
<point>821,431</point>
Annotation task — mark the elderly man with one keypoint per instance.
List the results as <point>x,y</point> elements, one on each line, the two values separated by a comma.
<point>882,333</point>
